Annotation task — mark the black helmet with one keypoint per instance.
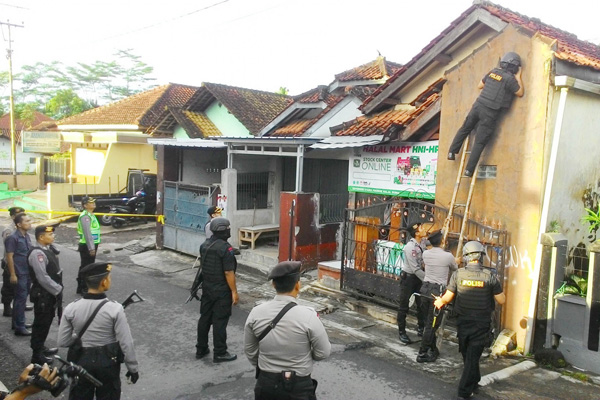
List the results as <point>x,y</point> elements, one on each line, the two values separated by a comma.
<point>473,250</point>
<point>511,61</point>
<point>219,224</point>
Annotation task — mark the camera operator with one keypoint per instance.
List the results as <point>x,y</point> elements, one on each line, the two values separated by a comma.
<point>51,376</point>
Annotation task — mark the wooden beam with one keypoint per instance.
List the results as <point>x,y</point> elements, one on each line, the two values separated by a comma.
<point>421,120</point>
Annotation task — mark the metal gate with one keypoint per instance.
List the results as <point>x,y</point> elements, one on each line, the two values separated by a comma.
<point>374,234</point>
<point>56,169</point>
<point>185,208</point>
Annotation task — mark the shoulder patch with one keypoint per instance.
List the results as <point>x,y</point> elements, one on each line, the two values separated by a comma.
<point>40,257</point>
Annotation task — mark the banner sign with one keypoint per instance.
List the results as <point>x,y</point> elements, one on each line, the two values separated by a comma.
<point>406,169</point>
<point>40,142</point>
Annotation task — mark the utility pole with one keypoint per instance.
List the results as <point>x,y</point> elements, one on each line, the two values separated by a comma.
<point>13,141</point>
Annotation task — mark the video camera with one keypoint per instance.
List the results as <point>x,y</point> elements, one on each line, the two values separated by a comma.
<point>67,372</point>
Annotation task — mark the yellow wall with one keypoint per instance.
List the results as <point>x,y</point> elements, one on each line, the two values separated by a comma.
<point>110,178</point>
<point>515,196</point>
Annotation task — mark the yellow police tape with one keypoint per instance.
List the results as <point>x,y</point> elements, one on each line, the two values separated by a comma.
<point>159,218</point>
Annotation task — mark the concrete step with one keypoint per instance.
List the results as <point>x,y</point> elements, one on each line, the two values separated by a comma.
<point>258,258</point>
<point>253,268</point>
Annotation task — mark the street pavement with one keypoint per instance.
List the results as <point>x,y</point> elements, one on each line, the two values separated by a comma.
<point>367,362</point>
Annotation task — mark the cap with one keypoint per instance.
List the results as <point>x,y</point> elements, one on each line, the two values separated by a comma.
<point>87,199</point>
<point>44,228</point>
<point>412,228</point>
<point>95,269</point>
<point>214,210</point>
<point>15,210</point>
<point>285,268</point>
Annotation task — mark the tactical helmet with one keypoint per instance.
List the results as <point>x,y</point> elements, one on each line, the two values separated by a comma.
<point>510,62</point>
<point>473,250</point>
<point>219,224</point>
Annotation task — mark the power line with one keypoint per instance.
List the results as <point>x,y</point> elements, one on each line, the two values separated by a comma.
<point>13,6</point>
<point>160,23</point>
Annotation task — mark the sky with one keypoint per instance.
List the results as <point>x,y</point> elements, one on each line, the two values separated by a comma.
<point>257,44</point>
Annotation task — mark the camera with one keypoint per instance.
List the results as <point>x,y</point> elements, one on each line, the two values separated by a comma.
<point>67,372</point>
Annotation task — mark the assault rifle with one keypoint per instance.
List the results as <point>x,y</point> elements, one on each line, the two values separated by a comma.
<point>197,285</point>
<point>132,298</point>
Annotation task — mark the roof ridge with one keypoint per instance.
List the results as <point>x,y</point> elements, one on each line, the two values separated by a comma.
<point>242,88</point>
<point>114,103</point>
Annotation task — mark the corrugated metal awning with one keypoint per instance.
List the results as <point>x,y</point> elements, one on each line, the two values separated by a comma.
<point>340,142</point>
<point>188,143</point>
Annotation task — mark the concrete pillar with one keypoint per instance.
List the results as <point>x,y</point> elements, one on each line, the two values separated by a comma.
<point>593,299</point>
<point>229,191</point>
<point>552,270</point>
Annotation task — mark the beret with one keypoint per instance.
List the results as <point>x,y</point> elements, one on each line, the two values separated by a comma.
<point>214,210</point>
<point>45,228</point>
<point>87,199</point>
<point>15,210</point>
<point>285,268</point>
<point>94,269</point>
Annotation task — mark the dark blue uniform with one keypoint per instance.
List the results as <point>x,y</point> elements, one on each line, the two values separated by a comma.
<point>474,288</point>
<point>215,303</point>
<point>497,94</point>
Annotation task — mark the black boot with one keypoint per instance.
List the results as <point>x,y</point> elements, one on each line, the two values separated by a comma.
<point>7,310</point>
<point>41,359</point>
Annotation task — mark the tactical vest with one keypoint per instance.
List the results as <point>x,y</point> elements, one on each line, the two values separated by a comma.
<point>213,274</point>
<point>52,269</point>
<point>494,94</point>
<point>94,227</point>
<point>474,299</point>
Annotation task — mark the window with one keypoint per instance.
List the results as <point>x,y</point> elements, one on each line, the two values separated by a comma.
<point>486,172</point>
<point>253,190</point>
<point>32,160</point>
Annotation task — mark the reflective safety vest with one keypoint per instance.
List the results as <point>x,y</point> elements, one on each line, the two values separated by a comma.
<point>94,227</point>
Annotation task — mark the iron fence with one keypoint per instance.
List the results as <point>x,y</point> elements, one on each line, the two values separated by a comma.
<point>331,207</point>
<point>253,190</point>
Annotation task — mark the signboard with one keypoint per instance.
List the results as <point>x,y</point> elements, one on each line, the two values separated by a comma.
<point>405,169</point>
<point>40,142</point>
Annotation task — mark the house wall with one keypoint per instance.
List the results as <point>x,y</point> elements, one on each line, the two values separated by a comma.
<point>435,71</point>
<point>348,111</point>
<point>203,166</point>
<point>576,183</point>
<point>107,177</point>
<point>180,133</point>
<point>25,161</point>
<point>514,198</point>
<point>225,121</point>
<point>229,179</point>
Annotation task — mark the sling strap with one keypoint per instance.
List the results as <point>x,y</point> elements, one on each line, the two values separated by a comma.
<point>91,318</point>
<point>273,323</point>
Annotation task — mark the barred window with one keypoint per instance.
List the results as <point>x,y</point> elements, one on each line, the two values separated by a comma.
<point>487,172</point>
<point>253,190</point>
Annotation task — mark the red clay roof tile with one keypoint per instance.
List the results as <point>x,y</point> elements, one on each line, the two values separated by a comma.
<point>20,125</point>
<point>377,69</point>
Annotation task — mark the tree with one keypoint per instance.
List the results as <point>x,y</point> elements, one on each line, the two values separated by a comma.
<point>66,103</point>
<point>283,90</point>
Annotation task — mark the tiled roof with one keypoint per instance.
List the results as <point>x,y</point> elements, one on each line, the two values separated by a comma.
<point>382,123</point>
<point>204,124</point>
<point>378,69</point>
<point>253,108</point>
<point>569,48</point>
<point>297,127</point>
<point>20,125</point>
<point>141,109</point>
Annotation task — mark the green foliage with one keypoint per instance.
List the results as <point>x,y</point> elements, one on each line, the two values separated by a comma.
<point>283,90</point>
<point>66,103</point>
<point>593,219</point>
<point>61,91</point>
<point>554,227</point>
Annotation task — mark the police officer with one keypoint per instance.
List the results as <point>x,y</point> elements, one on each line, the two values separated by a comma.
<point>17,246</point>
<point>213,212</point>
<point>475,289</point>
<point>410,280</point>
<point>219,291</point>
<point>106,343</point>
<point>7,291</point>
<point>286,354</point>
<point>438,265</point>
<point>46,291</point>
<point>499,87</point>
<point>88,229</point>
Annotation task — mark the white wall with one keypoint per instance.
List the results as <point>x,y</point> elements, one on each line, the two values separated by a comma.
<point>577,175</point>
<point>25,161</point>
<point>346,110</point>
<point>203,166</point>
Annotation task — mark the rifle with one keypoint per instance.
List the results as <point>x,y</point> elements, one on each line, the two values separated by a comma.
<point>197,285</point>
<point>132,298</point>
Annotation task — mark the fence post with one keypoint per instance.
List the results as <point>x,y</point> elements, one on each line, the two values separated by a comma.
<point>593,298</point>
<point>553,263</point>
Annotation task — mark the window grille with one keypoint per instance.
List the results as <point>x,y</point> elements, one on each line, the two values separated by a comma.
<point>253,190</point>
<point>487,172</point>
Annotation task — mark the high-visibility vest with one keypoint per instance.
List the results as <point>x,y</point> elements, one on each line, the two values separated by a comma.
<point>94,227</point>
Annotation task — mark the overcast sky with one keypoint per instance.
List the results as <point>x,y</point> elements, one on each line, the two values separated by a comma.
<point>258,44</point>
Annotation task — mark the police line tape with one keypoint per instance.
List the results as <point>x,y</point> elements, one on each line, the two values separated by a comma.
<point>159,218</point>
